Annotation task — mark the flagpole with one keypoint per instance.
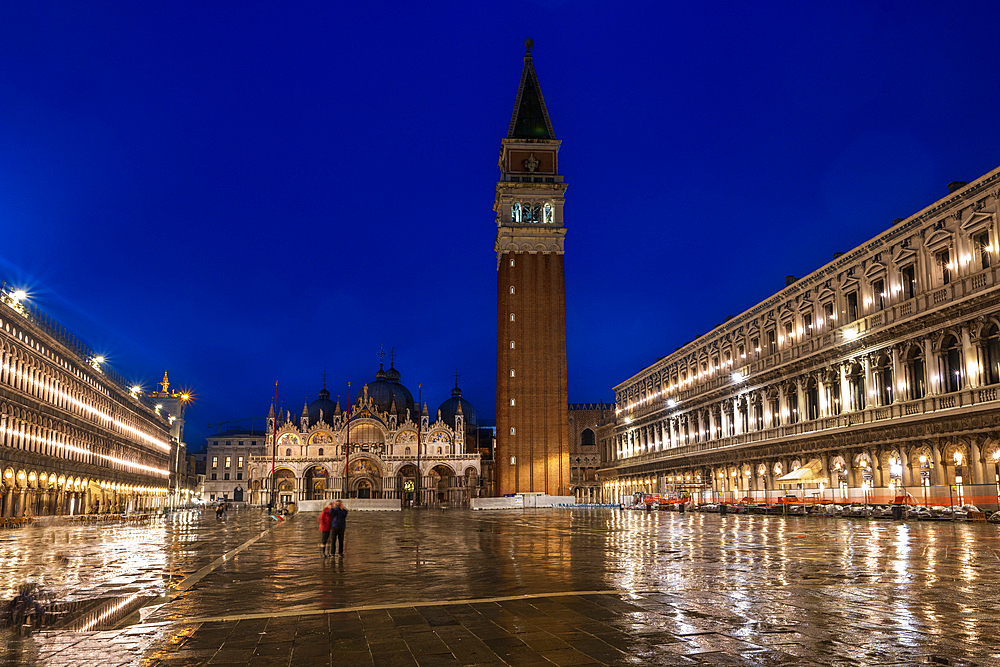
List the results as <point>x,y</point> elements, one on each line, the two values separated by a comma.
<point>347,450</point>
<point>274,442</point>
<point>420,421</point>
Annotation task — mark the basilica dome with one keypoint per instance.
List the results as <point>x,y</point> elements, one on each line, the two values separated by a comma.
<point>324,404</point>
<point>386,392</point>
<point>449,409</point>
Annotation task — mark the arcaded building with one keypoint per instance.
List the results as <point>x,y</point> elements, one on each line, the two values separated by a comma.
<point>382,448</point>
<point>75,437</point>
<point>584,456</point>
<point>874,376</point>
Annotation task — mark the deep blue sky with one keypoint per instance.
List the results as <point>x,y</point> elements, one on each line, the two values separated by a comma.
<point>241,193</point>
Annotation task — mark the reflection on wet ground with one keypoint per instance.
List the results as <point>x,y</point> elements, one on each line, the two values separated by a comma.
<point>565,587</point>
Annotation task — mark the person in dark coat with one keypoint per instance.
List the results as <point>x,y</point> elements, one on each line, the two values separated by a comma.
<point>325,522</point>
<point>338,523</point>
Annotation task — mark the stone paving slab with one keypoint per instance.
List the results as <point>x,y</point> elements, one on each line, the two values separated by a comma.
<point>552,587</point>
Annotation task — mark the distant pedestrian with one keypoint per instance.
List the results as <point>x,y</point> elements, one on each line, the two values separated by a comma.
<point>325,522</point>
<point>219,509</point>
<point>338,524</point>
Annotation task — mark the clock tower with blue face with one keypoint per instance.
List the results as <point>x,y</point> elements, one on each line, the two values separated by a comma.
<point>532,450</point>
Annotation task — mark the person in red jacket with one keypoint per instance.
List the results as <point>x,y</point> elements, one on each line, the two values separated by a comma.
<point>325,521</point>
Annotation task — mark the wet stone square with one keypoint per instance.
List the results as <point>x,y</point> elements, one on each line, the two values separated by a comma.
<point>582,586</point>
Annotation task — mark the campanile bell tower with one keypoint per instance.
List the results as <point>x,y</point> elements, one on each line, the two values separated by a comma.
<point>532,452</point>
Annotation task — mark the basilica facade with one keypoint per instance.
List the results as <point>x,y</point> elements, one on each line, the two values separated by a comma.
<point>874,376</point>
<point>385,446</point>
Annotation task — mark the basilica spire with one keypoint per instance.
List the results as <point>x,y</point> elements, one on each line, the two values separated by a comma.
<point>530,119</point>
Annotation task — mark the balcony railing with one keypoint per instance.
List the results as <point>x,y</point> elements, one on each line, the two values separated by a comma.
<point>927,405</point>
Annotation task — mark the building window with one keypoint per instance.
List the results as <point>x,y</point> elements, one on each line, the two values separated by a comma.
<point>981,242</point>
<point>215,443</point>
<point>807,324</point>
<point>511,289</point>
<point>239,462</point>
<point>943,262</point>
<point>755,346</point>
<point>914,369</point>
<point>549,214</point>
<point>215,476</point>
<point>215,461</point>
<point>951,362</point>
<point>512,317</point>
<point>512,372</point>
<point>513,431</point>
<point>835,404</point>
<point>241,443</point>
<point>321,451</point>
<point>288,452</point>
<point>512,345</point>
<point>512,402</point>
<point>852,306</point>
<point>406,452</point>
<point>829,317</point>
<point>239,475</point>
<point>991,349</point>
<point>878,295</point>
<point>512,262</point>
<point>229,443</point>
<point>883,380</point>
<point>908,280</point>
<point>226,476</point>
<point>229,461</point>
<point>253,443</point>
<point>772,344</point>
<point>741,352</point>
<point>789,334</point>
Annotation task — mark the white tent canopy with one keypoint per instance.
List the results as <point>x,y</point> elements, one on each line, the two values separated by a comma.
<point>810,473</point>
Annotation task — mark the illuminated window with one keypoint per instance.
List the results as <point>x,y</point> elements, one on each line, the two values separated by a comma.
<point>512,402</point>
<point>828,315</point>
<point>512,262</point>
<point>549,214</point>
<point>239,462</point>
<point>513,430</point>
<point>772,343</point>
<point>852,306</point>
<point>511,289</point>
<point>943,261</point>
<point>807,324</point>
<point>215,461</point>
<point>512,345</point>
<point>229,461</point>
<point>512,317</point>
<point>512,372</point>
<point>908,278</point>
<point>981,242</point>
<point>878,294</point>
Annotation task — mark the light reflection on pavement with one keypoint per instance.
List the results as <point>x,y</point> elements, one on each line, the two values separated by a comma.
<point>662,588</point>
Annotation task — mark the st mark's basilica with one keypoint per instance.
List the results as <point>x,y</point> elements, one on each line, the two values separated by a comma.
<point>395,453</point>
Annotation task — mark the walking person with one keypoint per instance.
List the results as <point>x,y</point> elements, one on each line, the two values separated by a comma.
<point>325,521</point>
<point>338,524</point>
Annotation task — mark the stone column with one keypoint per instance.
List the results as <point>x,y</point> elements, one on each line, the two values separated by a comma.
<point>976,467</point>
<point>970,380</point>
<point>800,397</point>
<point>937,465</point>
<point>846,400</point>
<point>866,395</point>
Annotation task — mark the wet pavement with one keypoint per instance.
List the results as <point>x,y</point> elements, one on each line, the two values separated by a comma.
<point>528,587</point>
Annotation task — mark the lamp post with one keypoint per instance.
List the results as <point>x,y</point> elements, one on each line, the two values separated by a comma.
<point>924,480</point>
<point>996,473</point>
